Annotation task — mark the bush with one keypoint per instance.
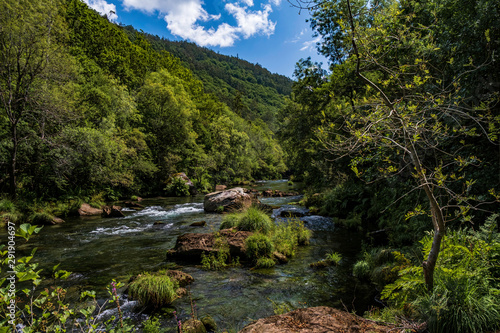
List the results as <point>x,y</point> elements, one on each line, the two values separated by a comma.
<point>259,245</point>
<point>265,262</point>
<point>334,257</point>
<point>7,206</point>
<point>230,221</point>
<point>465,295</point>
<point>177,188</point>
<point>42,218</point>
<point>255,220</point>
<point>361,269</point>
<point>153,289</point>
<point>152,325</point>
<point>302,233</point>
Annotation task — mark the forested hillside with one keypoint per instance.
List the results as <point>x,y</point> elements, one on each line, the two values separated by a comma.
<point>86,110</point>
<point>250,90</point>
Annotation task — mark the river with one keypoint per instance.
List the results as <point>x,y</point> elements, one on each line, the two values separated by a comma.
<point>98,250</point>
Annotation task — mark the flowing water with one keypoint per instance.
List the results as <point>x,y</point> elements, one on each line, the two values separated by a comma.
<point>98,250</point>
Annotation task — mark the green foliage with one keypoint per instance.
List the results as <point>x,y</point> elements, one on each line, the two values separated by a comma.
<point>265,262</point>
<point>287,236</point>
<point>152,325</point>
<point>361,269</point>
<point>334,257</point>
<point>280,308</point>
<point>7,206</point>
<point>248,89</point>
<point>258,246</point>
<point>153,289</point>
<point>465,296</point>
<point>218,259</point>
<point>26,230</point>
<point>230,221</point>
<point>177,187</point>
<point>41,218</point>
<point>111,113</point>
<point>254,219</point>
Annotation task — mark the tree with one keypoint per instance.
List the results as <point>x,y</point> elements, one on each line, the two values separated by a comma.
<point>28,55</point>
<point>410,118</point>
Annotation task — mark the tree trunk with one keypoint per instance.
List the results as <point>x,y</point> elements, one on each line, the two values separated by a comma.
<point>13,163</point>
<point>430,264</point>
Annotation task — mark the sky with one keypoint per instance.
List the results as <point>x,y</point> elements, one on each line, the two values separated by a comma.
<point>271,33</point>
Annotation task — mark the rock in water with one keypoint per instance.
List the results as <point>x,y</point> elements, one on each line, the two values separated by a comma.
<point>112,211</point>
<point>87,210</point>
<point>228,200</point>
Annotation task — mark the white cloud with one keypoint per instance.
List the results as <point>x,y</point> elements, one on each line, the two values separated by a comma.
<point>184,17</point>
<point>311,44</point>
<point>248,2</point>
<point>275,2</point>
<point>104,8</point>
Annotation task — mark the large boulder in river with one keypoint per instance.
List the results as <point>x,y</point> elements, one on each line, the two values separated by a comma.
<point>320,319</point>
<point>191,246</point>
<point>228,200</point>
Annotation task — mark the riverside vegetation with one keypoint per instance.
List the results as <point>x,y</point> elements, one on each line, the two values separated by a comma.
<point>398,139</point>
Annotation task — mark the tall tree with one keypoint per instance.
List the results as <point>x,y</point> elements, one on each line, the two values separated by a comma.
<point>411,117</point>
<point>29,53</point>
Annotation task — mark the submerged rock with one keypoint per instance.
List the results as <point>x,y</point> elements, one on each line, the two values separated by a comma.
<point>193,326</point>
<point>319,319</point>
<point>198,224</point>
<point>228,200</point>
<point>209,323</point>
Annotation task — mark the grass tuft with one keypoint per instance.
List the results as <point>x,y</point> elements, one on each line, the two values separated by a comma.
<point>153,289</point>
<point>255,220</point>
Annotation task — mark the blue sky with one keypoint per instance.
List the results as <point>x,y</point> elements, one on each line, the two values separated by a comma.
<point>269,32</point>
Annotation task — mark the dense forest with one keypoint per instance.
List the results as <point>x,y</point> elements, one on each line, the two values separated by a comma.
<point>89,107</point>
<point>250,90</point>
<point>398,139</point>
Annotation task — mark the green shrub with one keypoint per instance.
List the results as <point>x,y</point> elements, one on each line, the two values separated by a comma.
<point>284,239</point>
<point>254,220</point>
<point>10,217</point>
<point>465,294</point>
<point>153,289</point>
<point>265,262</point>
<point>361,269</point>
<point>258,245</point>
<point>287,236</point>
<point>177,187</point>
<point>97,200</point>
<point>42,218</point>
<point>152,325</point>
<point>334,257</point>
<point>7,206</point>
<point>303,234</point>
<point>230,221</point>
